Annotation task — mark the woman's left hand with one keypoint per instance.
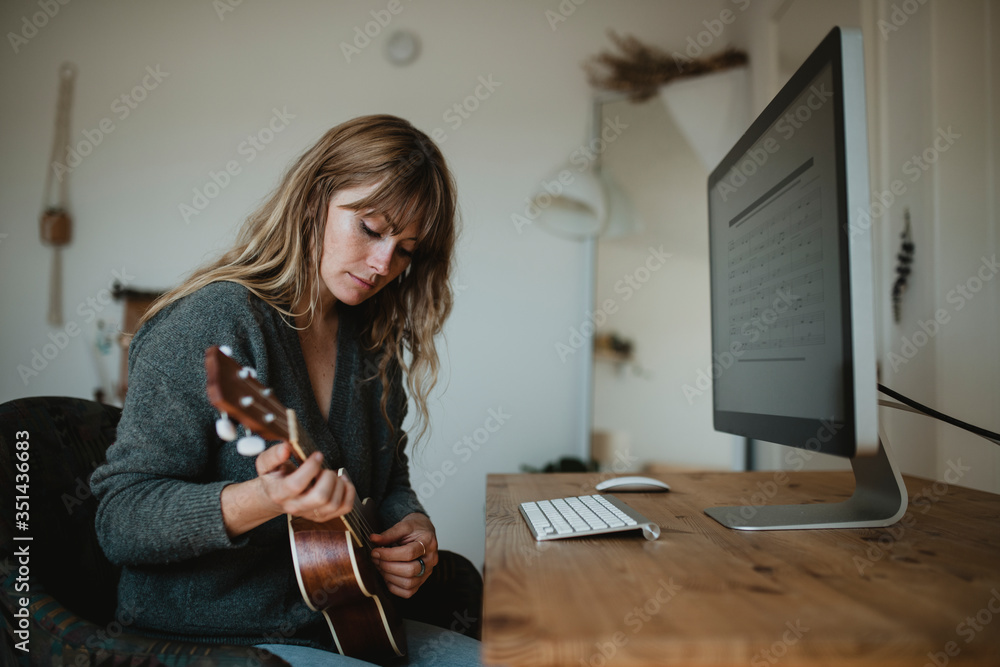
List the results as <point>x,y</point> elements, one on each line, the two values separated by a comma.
<point>406,566</point>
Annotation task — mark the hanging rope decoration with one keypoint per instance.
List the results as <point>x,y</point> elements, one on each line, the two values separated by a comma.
<point>56,224</point>
<point>904,268</point>
<point>640,70</point>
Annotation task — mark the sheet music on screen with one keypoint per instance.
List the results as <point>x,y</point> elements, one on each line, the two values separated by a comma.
<point>775,263</point>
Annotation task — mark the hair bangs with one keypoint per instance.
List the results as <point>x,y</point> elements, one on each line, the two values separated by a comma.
<point>407,195</point>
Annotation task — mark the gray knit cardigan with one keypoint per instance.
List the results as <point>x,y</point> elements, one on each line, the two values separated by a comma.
<point>160,513</point>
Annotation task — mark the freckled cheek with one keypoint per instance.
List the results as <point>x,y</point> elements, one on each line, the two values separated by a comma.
<point>349,254</point>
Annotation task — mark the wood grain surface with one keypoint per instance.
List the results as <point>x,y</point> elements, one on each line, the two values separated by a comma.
<point>925,591</point>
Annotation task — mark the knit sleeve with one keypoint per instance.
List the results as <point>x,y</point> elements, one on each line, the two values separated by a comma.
<point>159,491</point>
<point>156,505</point>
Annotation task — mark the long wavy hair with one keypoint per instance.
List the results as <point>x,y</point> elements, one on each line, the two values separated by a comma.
<point>277,252</point>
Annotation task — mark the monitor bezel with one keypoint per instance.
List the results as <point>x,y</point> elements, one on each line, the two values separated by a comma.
<point>857,433</point>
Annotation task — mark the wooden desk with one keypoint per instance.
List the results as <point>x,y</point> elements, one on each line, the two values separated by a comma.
<point>706,595</point>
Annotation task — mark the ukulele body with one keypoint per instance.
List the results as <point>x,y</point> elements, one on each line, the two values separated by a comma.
<point>337,577</point>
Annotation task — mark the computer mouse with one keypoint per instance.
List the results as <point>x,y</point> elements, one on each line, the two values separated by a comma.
<point>633,483</point>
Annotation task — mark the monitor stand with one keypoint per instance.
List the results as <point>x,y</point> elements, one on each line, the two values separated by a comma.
<point>879,499</point>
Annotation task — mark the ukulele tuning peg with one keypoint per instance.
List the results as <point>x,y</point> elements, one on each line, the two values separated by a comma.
<point>250,445</point>
<point>226,350</point>
<point>247,372</point>
<point>225,428</point>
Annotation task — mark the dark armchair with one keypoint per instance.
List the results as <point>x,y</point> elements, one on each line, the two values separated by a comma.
<point>73,587</point>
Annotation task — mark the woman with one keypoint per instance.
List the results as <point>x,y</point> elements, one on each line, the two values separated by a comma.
<point>343,270</point>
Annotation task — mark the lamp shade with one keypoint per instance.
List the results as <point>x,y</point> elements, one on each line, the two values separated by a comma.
<point>573,206</point>
<point>622,219</point>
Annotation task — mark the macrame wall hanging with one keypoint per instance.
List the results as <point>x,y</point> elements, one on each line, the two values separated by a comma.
<point>56,224</point>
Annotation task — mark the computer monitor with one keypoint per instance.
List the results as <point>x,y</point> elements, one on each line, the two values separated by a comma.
<point>793,325</point>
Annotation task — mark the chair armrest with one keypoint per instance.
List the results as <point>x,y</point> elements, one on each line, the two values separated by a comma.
<point>57,636</point>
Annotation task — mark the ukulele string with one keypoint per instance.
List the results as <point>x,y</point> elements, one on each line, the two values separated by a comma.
<point>356,520</point>
<point>362,521</point>
<point>360,517</point>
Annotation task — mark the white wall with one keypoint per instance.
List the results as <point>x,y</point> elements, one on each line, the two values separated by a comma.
<point>936,75</point>
<point>964,227</point>
<point>900,65</point>
<point>660,402</point>
<point>519,294</point>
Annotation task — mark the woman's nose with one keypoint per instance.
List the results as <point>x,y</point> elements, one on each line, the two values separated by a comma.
<point>381,257</point>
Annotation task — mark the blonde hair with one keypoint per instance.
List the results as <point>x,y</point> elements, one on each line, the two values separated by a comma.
<point>277,252</point>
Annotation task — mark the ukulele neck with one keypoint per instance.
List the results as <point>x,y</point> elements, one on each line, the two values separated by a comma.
<point>303,447</point>
<point>302,444</point>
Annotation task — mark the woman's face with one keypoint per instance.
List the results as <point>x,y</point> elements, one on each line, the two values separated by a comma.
<point>360,256</point>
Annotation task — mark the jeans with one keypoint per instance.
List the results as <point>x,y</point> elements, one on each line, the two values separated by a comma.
<point>429,646</point>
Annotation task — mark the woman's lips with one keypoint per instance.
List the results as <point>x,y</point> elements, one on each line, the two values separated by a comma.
<point>361,283</point>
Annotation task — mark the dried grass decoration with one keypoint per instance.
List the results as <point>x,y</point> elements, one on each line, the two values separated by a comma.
<point>904,268</point>
<point>640,70</point>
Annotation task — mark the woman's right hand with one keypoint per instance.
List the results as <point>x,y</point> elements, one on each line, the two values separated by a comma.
<point>309,491</point>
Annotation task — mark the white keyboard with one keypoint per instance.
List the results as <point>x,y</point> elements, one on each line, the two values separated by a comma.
<point>577,516</point>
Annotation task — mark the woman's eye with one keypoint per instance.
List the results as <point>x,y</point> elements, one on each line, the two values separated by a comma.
<point>404,252</point>
<point>369,231</point>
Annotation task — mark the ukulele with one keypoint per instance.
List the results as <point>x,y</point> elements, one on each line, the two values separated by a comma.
<point>332,559</point>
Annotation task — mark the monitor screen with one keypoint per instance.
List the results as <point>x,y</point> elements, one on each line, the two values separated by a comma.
<point>790,256</point>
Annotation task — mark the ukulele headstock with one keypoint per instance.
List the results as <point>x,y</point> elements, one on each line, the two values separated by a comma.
<point>235,391</point>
